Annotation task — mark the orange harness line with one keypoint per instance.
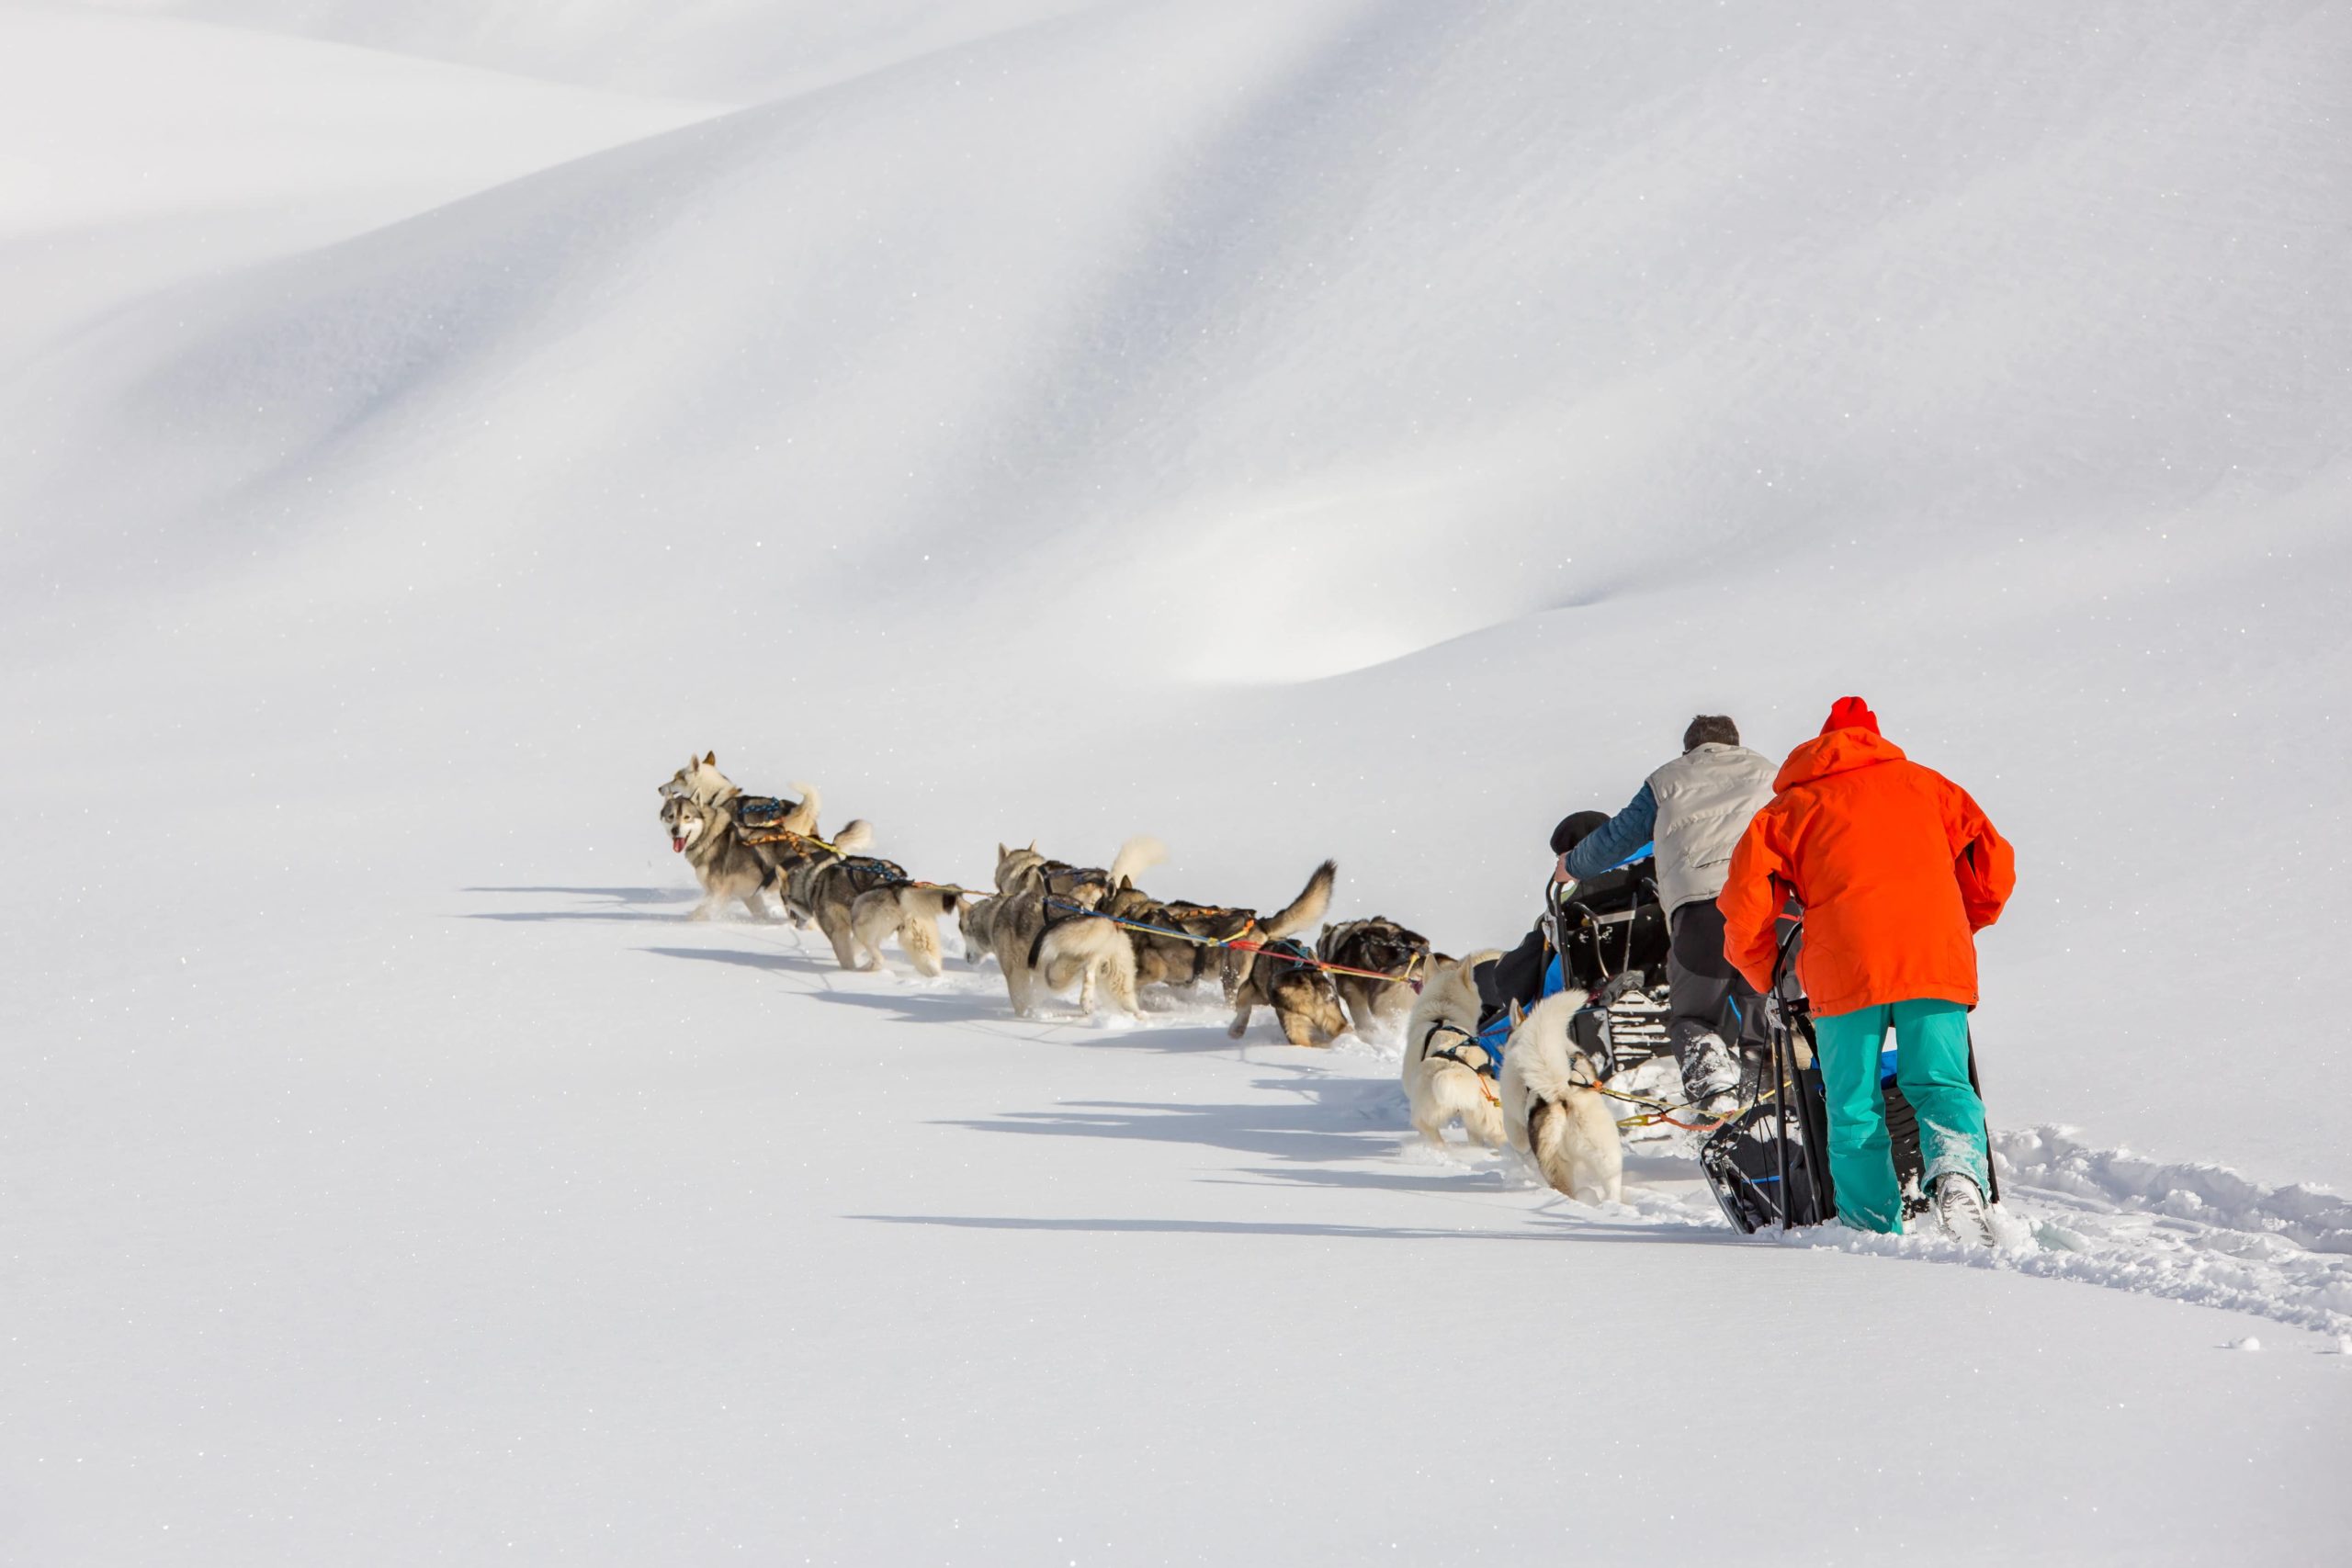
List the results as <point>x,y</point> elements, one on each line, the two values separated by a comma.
<point>1407,978</point>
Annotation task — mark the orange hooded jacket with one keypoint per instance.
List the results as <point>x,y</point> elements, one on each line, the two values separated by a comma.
<point>1896,867</point>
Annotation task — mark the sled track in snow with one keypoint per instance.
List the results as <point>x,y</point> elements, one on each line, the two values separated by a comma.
<point>2200,1233</point>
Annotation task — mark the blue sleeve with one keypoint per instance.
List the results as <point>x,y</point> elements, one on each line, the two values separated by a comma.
<point>1610,843</point>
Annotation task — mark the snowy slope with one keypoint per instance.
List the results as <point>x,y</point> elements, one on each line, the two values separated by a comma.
<point>741,50</point>
<point>1333,428</point>
<point>136,152</point>
<point>1610,368</point>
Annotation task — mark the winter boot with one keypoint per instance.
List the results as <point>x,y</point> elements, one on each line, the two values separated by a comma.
<point>1960,1209</point>
<point>1711,1078</point>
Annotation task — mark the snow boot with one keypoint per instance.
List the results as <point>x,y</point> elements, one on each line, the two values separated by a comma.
<point>1959,1208</point>
<point>1711,1078</point>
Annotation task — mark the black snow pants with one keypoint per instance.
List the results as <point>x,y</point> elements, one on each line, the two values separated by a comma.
<point>1705,994</point>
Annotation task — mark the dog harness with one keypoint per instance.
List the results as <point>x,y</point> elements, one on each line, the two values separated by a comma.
<point>760,810</point>
<point>1471,1051</point>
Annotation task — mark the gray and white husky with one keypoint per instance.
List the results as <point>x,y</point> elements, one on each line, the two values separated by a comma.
<point>1044,933</point>
<point>727,867</point>
<point>977,920</point>
<point>823,882</point>
<point>699,781</point>
<point>1553,1106</point>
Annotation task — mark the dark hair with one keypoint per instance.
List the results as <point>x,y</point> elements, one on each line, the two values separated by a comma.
<point>1710,726</point>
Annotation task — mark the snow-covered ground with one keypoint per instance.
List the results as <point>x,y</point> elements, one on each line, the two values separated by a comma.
<point>1326,428</point>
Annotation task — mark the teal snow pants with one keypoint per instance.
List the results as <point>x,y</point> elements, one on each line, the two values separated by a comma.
<point>1932,1067</point>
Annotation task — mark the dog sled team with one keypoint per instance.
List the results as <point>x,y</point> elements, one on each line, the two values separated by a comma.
<point>1797,941</point>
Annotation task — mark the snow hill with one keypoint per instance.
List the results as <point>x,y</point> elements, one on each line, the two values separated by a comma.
<point>1329,428</point>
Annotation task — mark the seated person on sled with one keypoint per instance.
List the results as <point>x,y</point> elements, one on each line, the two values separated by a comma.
<point>1605,936</point>
<point>1689,815</point>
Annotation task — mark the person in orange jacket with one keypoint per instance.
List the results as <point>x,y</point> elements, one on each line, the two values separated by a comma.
<point>1897,870</point>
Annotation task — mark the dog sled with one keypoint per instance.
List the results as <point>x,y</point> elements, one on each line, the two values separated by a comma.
<point>1769,1166</point>
<point>1607,937</point>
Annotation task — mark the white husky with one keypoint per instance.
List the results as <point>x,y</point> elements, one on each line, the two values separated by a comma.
<point>1553,1106</point>
<point>1440,1085</point>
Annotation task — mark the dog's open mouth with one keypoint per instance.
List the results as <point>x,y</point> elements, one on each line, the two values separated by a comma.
<point>677,844</point>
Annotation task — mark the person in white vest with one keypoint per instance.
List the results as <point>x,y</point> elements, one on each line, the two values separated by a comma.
<point>1693,811</point>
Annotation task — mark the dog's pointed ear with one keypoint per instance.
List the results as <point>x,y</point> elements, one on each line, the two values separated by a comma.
<point>710,758</point>
<point>1001,851</point>
<point>1126,883</point>
<point>1032,846</point>
<point>1518,1014</point>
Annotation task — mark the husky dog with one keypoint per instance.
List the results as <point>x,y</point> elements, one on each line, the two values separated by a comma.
<point>726,866</point>
<point>1445,1073</point>
<point>1553,1106</point>
<point>1300,994</point>
<point>1039,931</point>
<point>1041,940</point>
<point>910,911</point>
<point>768,819</point>
<point>1382,945</point>
<point>824,882</point>
<point>977,920</point>
<point>1163,957</point>
<point>1283,977</point>
<point>1018,871</point>
<point>700,781</point>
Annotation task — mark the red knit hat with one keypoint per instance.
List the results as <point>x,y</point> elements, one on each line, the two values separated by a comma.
<point>1850,713</point>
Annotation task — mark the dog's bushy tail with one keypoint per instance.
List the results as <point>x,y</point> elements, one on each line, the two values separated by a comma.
<point>1548,1140</point>
<point>1307,909</point>
<point>1540,1047</point>
<point>1549,1073</point>
<point>1136,856</point>
<point>918,929</point>
<point>854,836</point>
<point>802,818</point>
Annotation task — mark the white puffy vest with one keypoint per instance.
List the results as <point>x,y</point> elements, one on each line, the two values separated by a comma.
<point>1704,799</point>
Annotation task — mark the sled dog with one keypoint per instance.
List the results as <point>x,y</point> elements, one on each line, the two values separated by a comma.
<point>822,883</point>
<point>908,910</point>
<point>1445,1073</point>
<point>699,781</point>
<point>1283,977</point>
<point>1162,956</point>
<point>1040,939</point>
<point>975,918</point>
<point>1382,945</point>
<point>727,867</point>
<point>1018,871</point>
<point>1553,1109</point>
<point>1301,913</point>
